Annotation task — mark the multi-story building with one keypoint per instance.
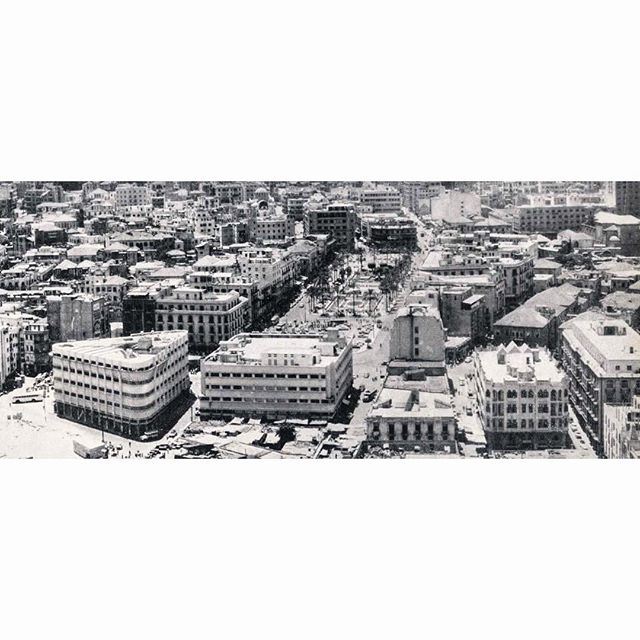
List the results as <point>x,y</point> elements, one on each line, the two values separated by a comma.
<point>111,289</point>
<point>518,278</point>
<point>417,340</point>
<point>272,228</point>
<point>9,349</point>
<point>414,194</point>
<point>522,398</point>
<point>34,197</point>
<point>76,317</point>
<point>270,376</point>
<point>208,317</point>
<point>628,197</point>
<point>222,282</point>
<point>381,199</point>
<point>132,195</point>
<point>36,347</point>
<point>624,304</point>
<point>152,243</point>
<point>602,359</point>
<point>463,312</point>
<point>389,231</point>
<point>621,429</point>
<point>553,218</point>
<point>621,232</point>
<point>537,321</point>
<point>413,419</point>
<point>337,219</point>
<point>127,386</point>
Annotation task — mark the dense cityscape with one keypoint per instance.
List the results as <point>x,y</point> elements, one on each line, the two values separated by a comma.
<point>320,319</point>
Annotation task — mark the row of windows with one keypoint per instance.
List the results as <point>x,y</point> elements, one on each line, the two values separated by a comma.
<point>220,374</point>
<point>251,400</point>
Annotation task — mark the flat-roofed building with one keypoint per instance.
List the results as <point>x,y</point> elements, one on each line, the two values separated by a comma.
<point>380,199</point>
<point>337,219</point>
<point>553,218</point>
<point>625,304</point>
<point>132,195</point>
<point>389,231</point>
<point>76,316</point>
<point>602,359</point>
<point>628,197</point>
<point>124,386</point>
<point>518,277</point>
<point>275,375</point>
<point>417,340</point>
<point>523,398</point>
<point>621,430</point>
<point>209,317</point>
<point>413,419</point>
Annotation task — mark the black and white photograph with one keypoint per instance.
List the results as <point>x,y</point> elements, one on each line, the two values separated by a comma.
<point>319,320</point>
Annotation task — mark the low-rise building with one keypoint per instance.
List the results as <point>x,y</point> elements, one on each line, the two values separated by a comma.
<point>416,420</point>
<point>522,398</point>
<point>127,386</point>
<point>274,375</point>
<point>537,321</point>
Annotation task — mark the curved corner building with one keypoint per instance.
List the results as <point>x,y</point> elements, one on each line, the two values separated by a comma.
<point>123,385</point>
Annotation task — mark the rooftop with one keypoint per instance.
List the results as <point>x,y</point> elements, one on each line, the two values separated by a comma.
<point>522,364</point>
<point>138,349</point>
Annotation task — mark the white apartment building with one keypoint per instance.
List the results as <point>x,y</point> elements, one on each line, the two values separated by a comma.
<point>522,398</point>
<point>124,386</point>
<point>270,268</point>
<point>272,228</point>
<point>381,199</point>
<point>265,375</point>
<point>208,317</point>
<point>518,278</point>
<point>131,195</point>
<point>110,288</point>
<point>602,359</point>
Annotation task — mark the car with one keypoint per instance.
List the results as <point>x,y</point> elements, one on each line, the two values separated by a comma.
<point>461,381</point>
<point>467,359</point>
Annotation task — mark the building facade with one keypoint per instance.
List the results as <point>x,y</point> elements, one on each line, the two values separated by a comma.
<point>602,359</point>
<point>208,317</point>
<point>128,386</point>
<point>522,398</point>
<point>272,376</point>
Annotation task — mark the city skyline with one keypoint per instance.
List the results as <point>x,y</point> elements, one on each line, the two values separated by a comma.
<point>319,319</point>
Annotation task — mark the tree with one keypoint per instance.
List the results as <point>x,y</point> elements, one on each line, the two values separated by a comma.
<point>286,433</point>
